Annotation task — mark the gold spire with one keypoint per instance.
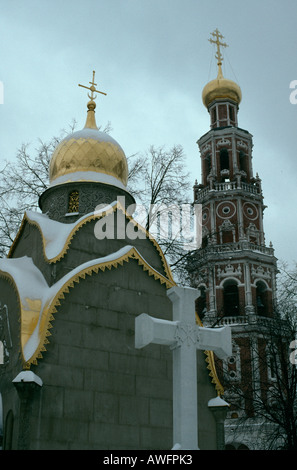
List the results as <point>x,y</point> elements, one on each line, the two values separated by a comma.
<point>217,35</point>
<point>220,88</point>
<point>89,155</point>
<point>91,121</point>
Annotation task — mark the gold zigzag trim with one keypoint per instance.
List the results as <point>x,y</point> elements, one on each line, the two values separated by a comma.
<point>8,278</point>
<point>213,372</point>
<point>91,217</point>
<point>50,310</point>
<point>132,254</point>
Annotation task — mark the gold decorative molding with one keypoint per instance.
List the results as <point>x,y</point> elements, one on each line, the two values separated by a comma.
<point>89,218</point>
<point>73,202</point>
<point>213,372</point>
<point>60,295</point>
<point>50,309</point>
<point>220,88</point>
<point>81,153</point>
<point>46,316</point>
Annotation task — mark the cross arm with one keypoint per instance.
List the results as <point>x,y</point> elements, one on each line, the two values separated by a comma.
<point>217,340</point>
<point>92,89</point>
<point>153,330</point>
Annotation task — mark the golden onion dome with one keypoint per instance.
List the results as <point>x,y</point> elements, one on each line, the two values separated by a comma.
<point>89,155</point>
<point>221,88</point>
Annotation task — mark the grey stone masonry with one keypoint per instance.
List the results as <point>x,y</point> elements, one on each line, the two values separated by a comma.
<point>98,391</point>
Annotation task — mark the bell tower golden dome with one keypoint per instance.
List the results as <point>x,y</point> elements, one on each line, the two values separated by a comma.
<point>89,154</point>
<point>220,88</point>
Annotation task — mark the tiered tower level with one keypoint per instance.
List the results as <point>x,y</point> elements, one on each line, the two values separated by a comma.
<point>234,268</point>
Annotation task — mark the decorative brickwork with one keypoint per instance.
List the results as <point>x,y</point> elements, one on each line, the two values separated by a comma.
<point>234,268</point>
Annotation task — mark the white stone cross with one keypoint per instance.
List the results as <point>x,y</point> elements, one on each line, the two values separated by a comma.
<point>184,337</point>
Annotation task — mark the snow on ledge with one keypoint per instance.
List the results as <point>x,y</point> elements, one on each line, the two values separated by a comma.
<point>218,401</point>
<point>31,285</point>
<point>89,176</point>
<point>29,377</point>
<point>56,233</point>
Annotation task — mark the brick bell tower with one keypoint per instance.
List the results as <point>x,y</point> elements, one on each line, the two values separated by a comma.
<point>234,269</point>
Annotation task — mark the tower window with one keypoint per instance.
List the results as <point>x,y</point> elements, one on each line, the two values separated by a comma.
<point>223,114</point>
<point>204,242</point>
<point>231,113</point>
<point>226,210</point>
<point>224,159</point>
<point>243,162</point>
<point>214,117</point>
<point>272,367</point>
<point>73,202</point>
<point>207,164</point>
<point>231,299</point>
<point>227,236</point>
<point>261,298</point>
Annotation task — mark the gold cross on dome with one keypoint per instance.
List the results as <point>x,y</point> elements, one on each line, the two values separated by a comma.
<point>217,35</point>
<point>92,88</point>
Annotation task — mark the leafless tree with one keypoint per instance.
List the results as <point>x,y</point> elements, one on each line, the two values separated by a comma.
<point>157,179</point>
<point>161,186</point>
<point>22,181</point>
<point>21,184</point>
<point>266,390</point>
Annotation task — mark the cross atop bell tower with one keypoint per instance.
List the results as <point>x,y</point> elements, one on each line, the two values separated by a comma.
<point>217,35</point>
<point>234,268</point>
<point>221,96</point>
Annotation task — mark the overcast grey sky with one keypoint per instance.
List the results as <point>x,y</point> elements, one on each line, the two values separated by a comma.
<point>153,58</point>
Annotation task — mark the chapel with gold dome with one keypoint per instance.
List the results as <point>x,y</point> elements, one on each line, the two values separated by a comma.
<point>84,164</point>
<point>77,276</point>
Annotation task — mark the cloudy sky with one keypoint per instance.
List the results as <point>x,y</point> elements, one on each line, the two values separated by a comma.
<point>153,58</point>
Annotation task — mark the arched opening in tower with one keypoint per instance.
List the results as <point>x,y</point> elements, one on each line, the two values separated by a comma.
<point>224,164</point>
<point>207,164</point>
<point>243,164</point>
<point>261,298</point>
<point>231,298</point>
